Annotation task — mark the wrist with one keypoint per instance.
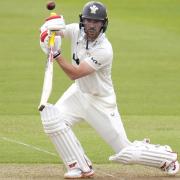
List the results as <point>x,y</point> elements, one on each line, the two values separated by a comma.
<point>56,54</point>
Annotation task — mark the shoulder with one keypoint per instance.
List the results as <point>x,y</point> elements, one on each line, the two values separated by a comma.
<point>106,42</point>
<point>104,48</point>
<point>73,26</point>
<point>101,55</point>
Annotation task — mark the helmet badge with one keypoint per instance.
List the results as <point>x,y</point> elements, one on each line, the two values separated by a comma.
<point>94,8</point>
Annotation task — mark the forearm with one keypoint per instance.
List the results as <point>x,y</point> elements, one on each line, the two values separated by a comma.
<point>70,70</point>
<point>74,72</point>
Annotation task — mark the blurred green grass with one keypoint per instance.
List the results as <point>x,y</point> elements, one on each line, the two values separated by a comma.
<point>146,38</point>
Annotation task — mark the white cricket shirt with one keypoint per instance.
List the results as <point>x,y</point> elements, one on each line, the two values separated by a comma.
<point>99,56</point>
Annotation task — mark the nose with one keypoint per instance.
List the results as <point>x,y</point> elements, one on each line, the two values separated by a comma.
<point>91,24</point>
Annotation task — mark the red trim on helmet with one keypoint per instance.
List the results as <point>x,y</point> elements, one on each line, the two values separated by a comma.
<point>53,17</point>
<point>44,35</point>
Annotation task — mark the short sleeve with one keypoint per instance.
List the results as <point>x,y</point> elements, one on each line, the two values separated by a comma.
<point>70,30</point>
<point>100,58</point>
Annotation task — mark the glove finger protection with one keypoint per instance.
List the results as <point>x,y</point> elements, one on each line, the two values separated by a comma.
<point>53,23</point>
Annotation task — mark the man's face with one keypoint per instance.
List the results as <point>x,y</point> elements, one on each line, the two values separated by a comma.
<point>92,28</point>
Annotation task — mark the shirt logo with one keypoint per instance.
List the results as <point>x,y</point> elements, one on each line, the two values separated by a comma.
<point>76,59</point>
<point>95,61</point>
<point>94,8</point>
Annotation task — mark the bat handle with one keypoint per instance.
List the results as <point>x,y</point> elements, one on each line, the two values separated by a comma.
<point>52,38</point>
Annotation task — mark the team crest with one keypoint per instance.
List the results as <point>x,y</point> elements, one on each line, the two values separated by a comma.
<point>94,8</point>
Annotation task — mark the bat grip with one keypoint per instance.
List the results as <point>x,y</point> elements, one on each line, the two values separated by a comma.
<point>52,39</point>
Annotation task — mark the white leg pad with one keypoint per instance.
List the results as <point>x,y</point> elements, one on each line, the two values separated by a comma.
<point>66,143</point>
<point>146,154</point>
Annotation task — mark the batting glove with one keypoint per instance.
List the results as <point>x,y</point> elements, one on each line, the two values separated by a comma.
<point>53,23</point>
<point>44,42</point>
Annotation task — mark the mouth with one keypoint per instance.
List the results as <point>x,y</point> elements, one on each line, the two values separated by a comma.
<point>91,32</point>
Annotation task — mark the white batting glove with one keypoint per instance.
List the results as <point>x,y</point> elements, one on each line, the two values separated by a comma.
<point>44,42</point>
<point>53,23</point>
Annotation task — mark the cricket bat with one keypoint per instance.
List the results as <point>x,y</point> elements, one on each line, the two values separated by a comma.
<point>48,76</point>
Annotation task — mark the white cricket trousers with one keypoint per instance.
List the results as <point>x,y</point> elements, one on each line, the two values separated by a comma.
<point>105,119</point>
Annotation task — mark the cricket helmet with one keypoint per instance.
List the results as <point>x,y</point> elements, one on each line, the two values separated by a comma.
<point>94,10</point>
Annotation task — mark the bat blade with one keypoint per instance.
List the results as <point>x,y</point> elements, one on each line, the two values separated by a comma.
<point>47,85</point>
<point>48,76</point>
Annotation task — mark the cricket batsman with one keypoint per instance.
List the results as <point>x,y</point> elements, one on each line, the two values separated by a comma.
<point>91,98</point>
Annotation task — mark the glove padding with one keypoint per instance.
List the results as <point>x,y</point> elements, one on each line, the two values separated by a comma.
<point>53,23</point>
<point>45,43</point>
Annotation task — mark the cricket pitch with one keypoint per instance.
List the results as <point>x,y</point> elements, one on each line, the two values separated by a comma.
<point>102,172</point>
